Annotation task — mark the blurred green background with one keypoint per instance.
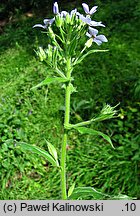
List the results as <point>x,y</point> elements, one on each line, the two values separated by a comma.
<point>32,116</point>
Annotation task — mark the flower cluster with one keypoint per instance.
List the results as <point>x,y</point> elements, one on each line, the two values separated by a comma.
<point>86,20</point>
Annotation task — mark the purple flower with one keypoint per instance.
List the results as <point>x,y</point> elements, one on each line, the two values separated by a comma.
<point>55,8</point>
<point>49,21</point>
<point>87,11</point>
<point>98,39</point>
<point>73,12</point>
<point>88,21</point>
<point>65,13</point>
<point>94,23</point>
<point>46,23</point>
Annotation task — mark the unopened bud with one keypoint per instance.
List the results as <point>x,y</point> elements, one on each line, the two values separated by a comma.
<point>89,43</point>
<point>49,51</point>
<point>41,54</point>
<point>51,33</point>
<point>58,20</point>
<point>55,8</point>
<point>68,19</point>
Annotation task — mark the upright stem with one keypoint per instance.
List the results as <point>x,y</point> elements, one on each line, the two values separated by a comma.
<point>65,137</point>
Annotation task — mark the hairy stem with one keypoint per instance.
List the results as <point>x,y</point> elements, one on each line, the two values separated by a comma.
<point>65,137</point>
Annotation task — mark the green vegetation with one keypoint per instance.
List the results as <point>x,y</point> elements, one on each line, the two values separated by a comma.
<point>32,115</point>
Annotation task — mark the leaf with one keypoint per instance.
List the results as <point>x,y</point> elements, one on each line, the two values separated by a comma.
<point>52,151</point>
<point>70,191</point>
<point>50,80</point>
<point>39,151</point>
<point>81,192</point>
<point>122,197</point>
<point>78,60</point>
<point>72,88</point>
<point>84,130</point>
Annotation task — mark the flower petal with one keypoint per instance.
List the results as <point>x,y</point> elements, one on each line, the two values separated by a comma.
<point>73,12</point>
<point>98,42</point>
<point>94,23</point>
<point>89,35</point>
<point>40,26</point>
<point>102,38</point>
<point>48,21</point>
<point>87,20</point>
<point>64,13</point>
<point>93,10</point>
<point>86,8</point>
<point>93,31</point>
<point>55,8</point>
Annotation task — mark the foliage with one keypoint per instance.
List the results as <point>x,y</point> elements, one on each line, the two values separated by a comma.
<point>112,170</point>
<point>28,115</point>
<point>21,112</point>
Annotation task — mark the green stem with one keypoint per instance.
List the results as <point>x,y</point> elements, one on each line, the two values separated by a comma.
<point>65,137</point>
<point>63,167</point>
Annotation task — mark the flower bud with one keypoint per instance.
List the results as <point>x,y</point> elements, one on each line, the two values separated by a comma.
<point>68,19</point>
<point>49,52</point>
<point>89,43</point>
<point>55,8</point>
<point>51,33</point>
<point>41,54</point>
<point>58,20</point>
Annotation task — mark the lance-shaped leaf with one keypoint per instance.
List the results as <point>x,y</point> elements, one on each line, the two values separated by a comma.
<point>39,151</point>
<point>122,197</point>
<point>81,58</point>
<point>52,151</point>
<point>50,80</point>
<point>72,88</point>
<point>82,192</point>
<point>84,130</point>
<point>71,189</point>
<point>55,56</point>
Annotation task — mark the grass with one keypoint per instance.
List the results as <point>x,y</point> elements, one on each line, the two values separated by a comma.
<point>35,115</point>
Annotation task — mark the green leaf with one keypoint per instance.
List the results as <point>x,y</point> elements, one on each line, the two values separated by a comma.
<point>50,80</point>
<point>82,192</point>
<point>79,60</point>
<point>52,151</point>
<point>84,130</point>
<point>70,191</point>
<point>39,151</point>
<point>122,197</point>
<point>72,88</point>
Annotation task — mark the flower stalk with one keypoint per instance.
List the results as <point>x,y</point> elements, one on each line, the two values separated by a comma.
<point>65,136</point>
